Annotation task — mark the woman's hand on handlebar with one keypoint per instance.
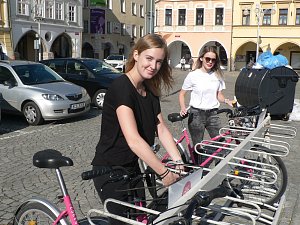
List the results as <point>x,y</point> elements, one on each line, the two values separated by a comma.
<point>184,111</point>
<point>170,178</point>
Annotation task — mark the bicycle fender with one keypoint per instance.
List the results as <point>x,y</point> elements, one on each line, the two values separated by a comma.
<point>46,203</point>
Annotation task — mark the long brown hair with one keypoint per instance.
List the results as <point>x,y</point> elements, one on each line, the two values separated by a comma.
<point>163,76</point>
<point>216,68</point>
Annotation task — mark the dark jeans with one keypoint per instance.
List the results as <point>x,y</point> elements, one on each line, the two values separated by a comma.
<point>200,120</point>
<point>117,190</point>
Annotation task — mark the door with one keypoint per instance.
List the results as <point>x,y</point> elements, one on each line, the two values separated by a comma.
<point>79,74</point>
<point>9,90</point>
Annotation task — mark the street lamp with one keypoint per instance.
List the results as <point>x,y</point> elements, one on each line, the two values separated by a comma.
<point>38,10</point>
<point>259,13</point>
<point>38,16</point>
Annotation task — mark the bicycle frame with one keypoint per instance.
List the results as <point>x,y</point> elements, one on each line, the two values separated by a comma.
<point>60,215</point>
<point>190,153</point>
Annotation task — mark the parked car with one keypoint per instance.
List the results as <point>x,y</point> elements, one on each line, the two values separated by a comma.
<point>39,93</point>
<point>92,74</point>
<point>117,61</point>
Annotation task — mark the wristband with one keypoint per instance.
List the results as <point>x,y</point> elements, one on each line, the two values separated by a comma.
<point>164,174</point>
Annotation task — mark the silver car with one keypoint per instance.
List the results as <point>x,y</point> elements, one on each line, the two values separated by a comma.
<point>39,93</point>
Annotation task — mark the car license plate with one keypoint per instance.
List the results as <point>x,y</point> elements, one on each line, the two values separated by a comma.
<point>78,105</point>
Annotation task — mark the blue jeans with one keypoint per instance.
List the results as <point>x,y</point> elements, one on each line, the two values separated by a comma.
<point>200,120</point>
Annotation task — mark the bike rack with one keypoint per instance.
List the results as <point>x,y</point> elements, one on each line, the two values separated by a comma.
<point>252,211</point>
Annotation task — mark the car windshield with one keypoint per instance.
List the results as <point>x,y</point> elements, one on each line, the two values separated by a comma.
<point>99,66</point>
<point>36,74</point>
<point>115,57</point>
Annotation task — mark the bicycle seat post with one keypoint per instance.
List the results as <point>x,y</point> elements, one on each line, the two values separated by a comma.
<point>61,182</point>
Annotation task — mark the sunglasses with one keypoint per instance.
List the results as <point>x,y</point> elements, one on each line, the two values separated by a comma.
<point>208,59</point>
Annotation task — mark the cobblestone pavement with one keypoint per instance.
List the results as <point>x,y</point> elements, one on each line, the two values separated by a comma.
<point>77,139</point>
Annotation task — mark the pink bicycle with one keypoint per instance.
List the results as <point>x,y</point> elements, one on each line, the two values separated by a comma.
<point>38,211</point>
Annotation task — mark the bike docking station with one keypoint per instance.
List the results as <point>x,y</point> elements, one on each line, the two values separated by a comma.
<point>248,165</point>
<point>247,162</point>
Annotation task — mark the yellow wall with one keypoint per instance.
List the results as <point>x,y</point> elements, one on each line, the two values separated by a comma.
<point>276,38</point>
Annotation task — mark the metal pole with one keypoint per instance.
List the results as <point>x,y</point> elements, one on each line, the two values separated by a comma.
<point>39,40</point>
<point>257,42</point>
<point>151,16</point>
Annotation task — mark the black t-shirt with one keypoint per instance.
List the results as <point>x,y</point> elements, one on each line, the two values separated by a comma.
<point>112,148</point>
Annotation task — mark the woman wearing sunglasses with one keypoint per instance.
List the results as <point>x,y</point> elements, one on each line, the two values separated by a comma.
<point>206,83</point>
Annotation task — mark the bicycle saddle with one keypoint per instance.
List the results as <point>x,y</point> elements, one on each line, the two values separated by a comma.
<point>174,117</point>
<point>51,159</point>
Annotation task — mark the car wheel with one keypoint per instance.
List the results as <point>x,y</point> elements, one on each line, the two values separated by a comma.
<point>98,98</point>
<point>32,114</point>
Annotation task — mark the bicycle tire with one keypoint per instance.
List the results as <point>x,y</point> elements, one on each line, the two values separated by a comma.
<point>266,193</point>
<point>34,211</point>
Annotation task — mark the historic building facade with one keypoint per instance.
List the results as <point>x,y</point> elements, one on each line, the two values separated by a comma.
<point>274,25</point>
<point>113,26</point>
<point>188,26</point>
<point>6,50</point>
<point>44,29</point>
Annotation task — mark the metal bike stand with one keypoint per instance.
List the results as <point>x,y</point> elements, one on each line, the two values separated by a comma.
<point>224,169</point>
<point>253,212</point>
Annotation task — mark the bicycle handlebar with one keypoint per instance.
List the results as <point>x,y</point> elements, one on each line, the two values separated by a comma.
<point>102,171</point>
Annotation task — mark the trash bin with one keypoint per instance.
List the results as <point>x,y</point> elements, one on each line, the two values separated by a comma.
<point>273,89</point>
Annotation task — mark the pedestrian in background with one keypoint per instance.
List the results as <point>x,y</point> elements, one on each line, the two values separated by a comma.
<point>182,63</point>
<point>206,83</point>
<point>191,62</point>
<point>132,117</point>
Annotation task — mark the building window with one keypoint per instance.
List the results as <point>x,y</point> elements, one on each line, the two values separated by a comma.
<point>141,31</point>
<point>133,30</point>
<point>298,16</point>
<point>142,12</point>
<point>123,29</point>
<point>199,16</point>
<point>168,18</point>
<point>123,8</point>
<point>85,26</point>
<point>181,17</point>
<point>246,17</point>
<point>23,7</point>
<point>219,16</point>
<point>283,16</point>
<point>59,11</point>
<point>49,10</point>
<point>109,4</point>
<point>133,8</point>
<point>267,17</point>
<point>86,3</point>
<point>72,13</point>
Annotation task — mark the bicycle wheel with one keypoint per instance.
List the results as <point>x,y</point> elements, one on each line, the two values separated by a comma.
<point>34,213</point>
<point>254,190</point>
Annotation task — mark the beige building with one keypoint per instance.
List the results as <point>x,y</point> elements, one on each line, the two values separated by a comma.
<point>123,22</point>
<point>188,26</point>
<point>6,48</point>
<point>274,25</point>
